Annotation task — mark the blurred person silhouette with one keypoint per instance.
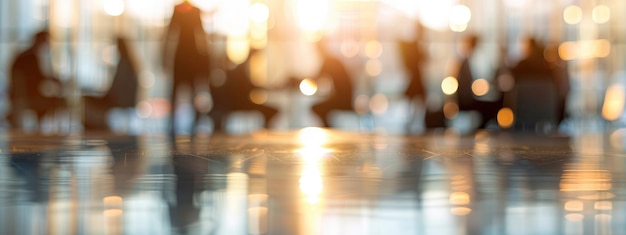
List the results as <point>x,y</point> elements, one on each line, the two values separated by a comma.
<point>536,86</point>
<point>413,58</point>
<point>342,94</point>
<point>122,92</point>
<point>466,99</point>
<point>30,88</point>
<point>190,57</point>
<point>561,73</point>
<point>235,95</point>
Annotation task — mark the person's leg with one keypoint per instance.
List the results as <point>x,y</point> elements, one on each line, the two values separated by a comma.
<point>173,107</point>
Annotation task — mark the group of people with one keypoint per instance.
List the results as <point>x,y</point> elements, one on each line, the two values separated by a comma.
<point>535,88</point>
<point>187,57</point>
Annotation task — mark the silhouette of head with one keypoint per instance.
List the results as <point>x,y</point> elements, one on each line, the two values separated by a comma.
<point>532,48</point>
<point>40,39</point>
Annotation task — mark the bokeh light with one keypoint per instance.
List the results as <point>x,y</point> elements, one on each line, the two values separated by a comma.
<point>449,85</point>
<point>480,87</point>
<point>613,106</point>
<point>203,102</point>
<point>601,14</point>
<point>373,67</point>
<point>259,12</point>
<point>113,7</point>
<point>505,118</point>
<point>349,48</point>
<point>373,49</point>
<point>460,16</point>
<point>311,15</point>
<point>308,86</point>
<point>572,14</point>
<point>379,104</point>
<point>361,104</point>
<point>258,96</point>
<point>237,49</point>
<point>585,49</point>
<point>450,110</point>
<point>435,14</point>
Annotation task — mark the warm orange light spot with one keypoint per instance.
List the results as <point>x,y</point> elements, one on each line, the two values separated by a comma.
<point>258,96</point>
<point>379,104</point>
<point>373,67</point>
<point>613,106</point>
<point>505,117</point>
<point>373,49</point>
<point>237,48</point>
<point>480,87</point>
<point>459,198</point>
<point>573,205</point>
<point>603,205</point>
<point>461,211</point>
<point>450,110</point>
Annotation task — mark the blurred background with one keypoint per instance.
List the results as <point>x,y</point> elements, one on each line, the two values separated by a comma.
<point>363,34</point>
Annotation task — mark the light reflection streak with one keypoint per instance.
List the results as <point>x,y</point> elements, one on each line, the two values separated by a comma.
<point>311,183</point>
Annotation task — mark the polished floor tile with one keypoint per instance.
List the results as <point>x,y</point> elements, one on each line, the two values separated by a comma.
<point>313,181</point>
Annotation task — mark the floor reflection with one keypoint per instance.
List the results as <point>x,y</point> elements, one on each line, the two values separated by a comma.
<point>312,181</point>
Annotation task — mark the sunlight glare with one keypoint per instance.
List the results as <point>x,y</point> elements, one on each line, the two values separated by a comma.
<point>113,7</point>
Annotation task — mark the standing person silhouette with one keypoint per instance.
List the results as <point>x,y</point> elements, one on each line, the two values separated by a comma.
<point>413,57</point>
<point>465,96</point>
<point>30,88</point>
<point>190,60</point>
<point>341,97</point>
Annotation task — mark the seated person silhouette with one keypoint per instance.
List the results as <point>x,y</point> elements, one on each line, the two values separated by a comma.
<point>466,99</point>
<point>234,95</point>
<point>121,94</point>
<point>341,97</point>
<point>29,87</point>
<point>536,89</point>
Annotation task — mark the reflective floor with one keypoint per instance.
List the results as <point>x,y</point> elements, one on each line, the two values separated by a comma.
<point>313,181</point>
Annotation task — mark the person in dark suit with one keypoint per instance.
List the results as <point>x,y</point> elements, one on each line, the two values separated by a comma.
<point>341,97</point>
<point>30,88</point>
<point>121,94</point>
<point>465,96</point>
<point>549,91</point>
<point>190,57</point>
<point>533,65</point>
<point>234,95</point>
